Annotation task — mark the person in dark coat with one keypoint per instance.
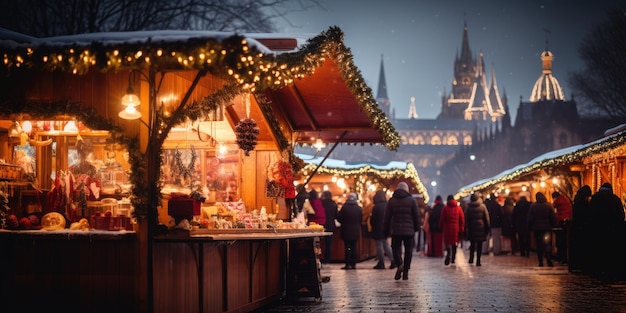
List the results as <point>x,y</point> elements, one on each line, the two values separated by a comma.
<point>607,224</point>
<point>377,220</point>
<point>452,223</point>
<point>477,226</point>
<point>495,213</point>
<point>433,232</point>
<point>581,217</point>
<point>350,216</point>
<point>330,208</point>
<point>541,220</point>
<point>508,232</point>
<point>401,222</point>
<point>301,197</point>
<point>520,217</point>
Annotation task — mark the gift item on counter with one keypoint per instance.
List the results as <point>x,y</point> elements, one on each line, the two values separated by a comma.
<point>53,221</point>
<point>12,222</point>
<point>107,221</point>
<point>181,206</point>
<point>82,224</point>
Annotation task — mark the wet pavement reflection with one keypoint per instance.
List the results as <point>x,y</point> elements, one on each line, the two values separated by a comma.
<point>504,283</point>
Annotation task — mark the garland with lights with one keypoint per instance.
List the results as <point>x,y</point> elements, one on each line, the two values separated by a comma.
<point>243,66</point>
<point>90,117</point>
<point>588,150</point>
<point>270,116</point>
<point>368,170</point>
<point>330,44</point>
<point>231,58</point>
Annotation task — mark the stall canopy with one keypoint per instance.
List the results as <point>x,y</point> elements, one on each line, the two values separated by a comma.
<point>333,103</point>
<point>386,175</point>
<point>312,83</point>
<point>562,157</point>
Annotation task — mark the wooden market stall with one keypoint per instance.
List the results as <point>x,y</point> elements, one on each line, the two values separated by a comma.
<point>341,178</point>
<point>172,185</point>
<point>566,171</point>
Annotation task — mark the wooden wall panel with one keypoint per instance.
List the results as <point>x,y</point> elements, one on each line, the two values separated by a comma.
<point>175,277</point>
<point>238,259</point>
<point>83,274</point>
<point>214,278</point>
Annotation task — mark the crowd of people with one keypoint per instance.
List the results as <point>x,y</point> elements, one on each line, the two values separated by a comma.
<point>587,230</point>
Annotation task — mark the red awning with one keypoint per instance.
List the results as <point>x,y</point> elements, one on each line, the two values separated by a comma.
<point>322,105</point>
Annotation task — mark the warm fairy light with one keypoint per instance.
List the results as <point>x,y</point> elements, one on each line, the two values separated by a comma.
<point>27,126</point>
<point>319,145</point>
<point>341,183</point>
<point>222,150</point>
<point>542,184</point>
<point>555,181</point>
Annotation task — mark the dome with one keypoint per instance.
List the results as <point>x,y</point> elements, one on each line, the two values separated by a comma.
<point>547,86</point>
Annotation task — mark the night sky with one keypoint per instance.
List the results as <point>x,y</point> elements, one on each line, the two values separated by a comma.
<point>420,39</point>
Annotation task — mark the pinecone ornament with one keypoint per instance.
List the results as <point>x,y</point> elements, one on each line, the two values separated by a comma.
<point>247,133</point>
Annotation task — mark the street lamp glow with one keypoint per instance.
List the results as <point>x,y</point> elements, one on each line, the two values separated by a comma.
<point>433,183</point>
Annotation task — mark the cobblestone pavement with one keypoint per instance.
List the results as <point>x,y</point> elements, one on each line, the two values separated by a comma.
<point>503,283</point>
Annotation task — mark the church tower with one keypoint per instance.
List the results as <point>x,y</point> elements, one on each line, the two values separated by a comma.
<point>472,98</point>
<point>464,78</point>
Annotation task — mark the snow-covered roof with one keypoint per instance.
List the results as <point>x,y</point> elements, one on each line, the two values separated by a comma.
<point>254,61</point>
<point>393,169</point>
<point>616,136</point>
<point>10,39</point>
<point>342,164</point>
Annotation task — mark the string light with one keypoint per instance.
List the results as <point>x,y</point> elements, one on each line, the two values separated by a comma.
<point>368,171</point>
<point>593,152</point>
<point>230,57</point>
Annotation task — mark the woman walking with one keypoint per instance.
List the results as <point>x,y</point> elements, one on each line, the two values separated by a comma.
<point>477,225</point>
<point>452,222</point>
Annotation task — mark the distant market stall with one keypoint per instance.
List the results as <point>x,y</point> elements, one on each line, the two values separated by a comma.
<point>564,170</point>
<point>341,178</point>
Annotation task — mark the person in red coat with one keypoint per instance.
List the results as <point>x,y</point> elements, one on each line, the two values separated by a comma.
<point>563,208</point>
<point>452,222</point>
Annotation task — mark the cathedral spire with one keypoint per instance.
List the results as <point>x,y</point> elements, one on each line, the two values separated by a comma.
<point>382,83</point>
<point>497,106</point>
<point>381,97</point>
<point>412,110</point>
<point>466,52</point>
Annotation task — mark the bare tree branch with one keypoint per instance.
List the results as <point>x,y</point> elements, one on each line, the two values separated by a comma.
<point>602,83</point>
<point>43,18</point>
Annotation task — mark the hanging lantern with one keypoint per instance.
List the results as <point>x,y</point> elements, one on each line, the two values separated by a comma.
<point>247,133</point>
